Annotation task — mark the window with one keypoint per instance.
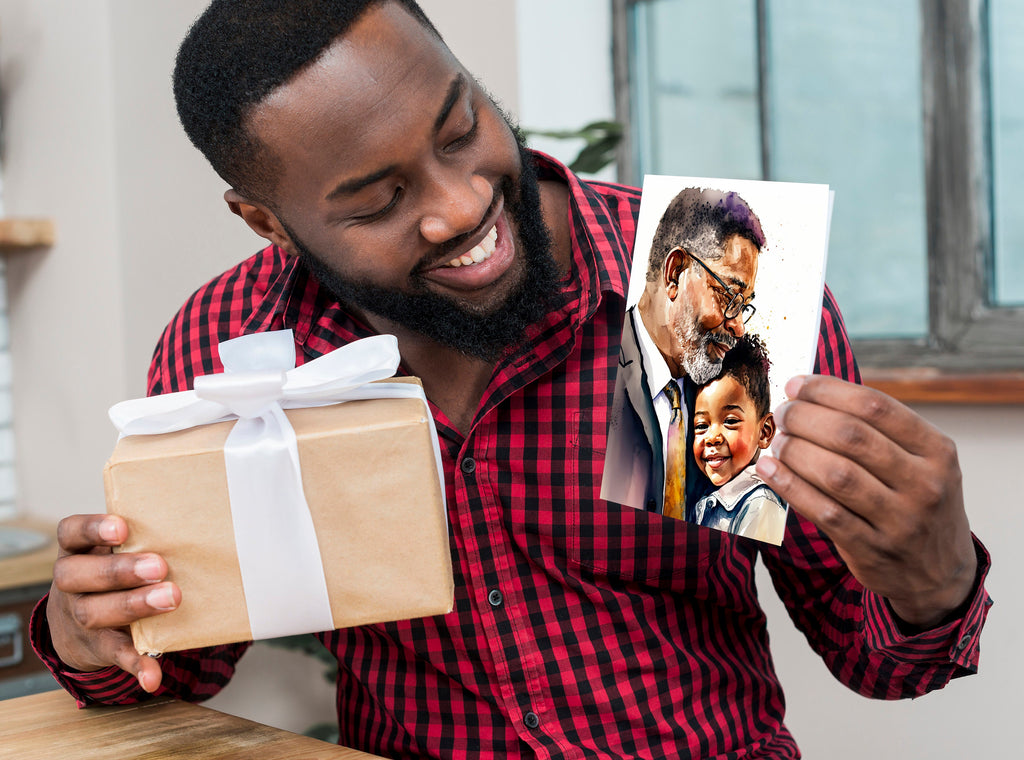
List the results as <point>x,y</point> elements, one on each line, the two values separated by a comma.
<point>908,110</point>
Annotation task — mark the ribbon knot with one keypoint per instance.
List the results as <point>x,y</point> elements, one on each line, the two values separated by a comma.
<point>243,394</point>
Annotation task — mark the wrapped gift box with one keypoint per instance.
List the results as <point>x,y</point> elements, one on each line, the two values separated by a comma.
<point>370,476</point>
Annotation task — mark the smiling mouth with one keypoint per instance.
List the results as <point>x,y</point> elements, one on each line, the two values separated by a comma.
<point>478,253</point>
<point>716,461</point>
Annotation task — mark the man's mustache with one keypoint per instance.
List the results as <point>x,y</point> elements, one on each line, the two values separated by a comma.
<point>724,338</point>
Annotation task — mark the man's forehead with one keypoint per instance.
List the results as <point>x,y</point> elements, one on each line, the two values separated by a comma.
<point>385,69</point>
<point>738,264</point>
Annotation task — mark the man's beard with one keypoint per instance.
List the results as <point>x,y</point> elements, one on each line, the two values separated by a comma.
<point>696,359</point>
<point>442,319</point>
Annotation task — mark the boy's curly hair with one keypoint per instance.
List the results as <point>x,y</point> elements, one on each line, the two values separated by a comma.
<point>748,363</point>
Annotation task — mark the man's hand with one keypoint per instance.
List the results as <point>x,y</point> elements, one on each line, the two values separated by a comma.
<point>96,594</point>
<point>884,485</point>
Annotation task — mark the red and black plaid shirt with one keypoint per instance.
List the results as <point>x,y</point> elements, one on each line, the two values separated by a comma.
<point>581,628</point>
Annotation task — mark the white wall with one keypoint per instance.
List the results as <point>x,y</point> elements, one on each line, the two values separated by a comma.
<point>974,716</point>
<point>91,140</point>
<point>565,71</point>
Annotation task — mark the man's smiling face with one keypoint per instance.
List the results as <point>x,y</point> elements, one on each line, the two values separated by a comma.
<point>404,188</point>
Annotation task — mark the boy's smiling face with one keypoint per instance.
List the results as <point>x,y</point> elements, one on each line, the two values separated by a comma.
<point>727,431</point>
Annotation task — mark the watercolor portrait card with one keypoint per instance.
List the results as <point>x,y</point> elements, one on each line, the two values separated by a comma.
<point>724,306</point>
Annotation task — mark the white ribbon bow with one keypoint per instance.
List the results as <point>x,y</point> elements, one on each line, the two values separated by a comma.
<point>282,571</point>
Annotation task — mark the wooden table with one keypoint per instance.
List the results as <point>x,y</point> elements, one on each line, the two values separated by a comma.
<point>49,726</point>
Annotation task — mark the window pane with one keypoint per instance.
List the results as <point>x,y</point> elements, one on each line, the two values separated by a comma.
<point>1006,30</point>
<point>845,95</point>
<point>694,77</point>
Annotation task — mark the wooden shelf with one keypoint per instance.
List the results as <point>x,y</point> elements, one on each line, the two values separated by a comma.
<point>931,386</point>
<point>23,232</point>
<point>32,567</point>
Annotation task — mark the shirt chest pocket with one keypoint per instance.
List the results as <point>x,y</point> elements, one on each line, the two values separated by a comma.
<point>605,539</point>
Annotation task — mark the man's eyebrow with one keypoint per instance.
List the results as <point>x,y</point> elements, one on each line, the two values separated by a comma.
<point>454,93</point>
<point>740,286</point>
<point>352,186</point>
<point>737,282</point>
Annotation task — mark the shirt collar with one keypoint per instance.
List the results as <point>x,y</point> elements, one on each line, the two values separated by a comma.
<point>599,250</point>
<point>730,494</point>
<point>658,373</point>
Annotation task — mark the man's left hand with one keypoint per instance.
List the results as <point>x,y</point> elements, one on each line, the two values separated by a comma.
<point>884,485</point>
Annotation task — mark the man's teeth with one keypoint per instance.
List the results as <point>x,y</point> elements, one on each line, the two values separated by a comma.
<point>480,252</point>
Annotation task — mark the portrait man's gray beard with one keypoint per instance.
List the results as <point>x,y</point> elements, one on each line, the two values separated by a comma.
<point>696,360</point>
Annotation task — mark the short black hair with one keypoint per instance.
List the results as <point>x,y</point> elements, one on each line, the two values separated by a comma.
<point>700,221</point>
<point>238,52</point>
<point>747,362</point>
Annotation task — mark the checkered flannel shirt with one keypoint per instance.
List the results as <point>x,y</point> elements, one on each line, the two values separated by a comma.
<point>581,628</point>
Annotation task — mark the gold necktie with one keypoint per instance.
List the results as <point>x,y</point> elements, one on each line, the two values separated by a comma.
<point>675,456</point>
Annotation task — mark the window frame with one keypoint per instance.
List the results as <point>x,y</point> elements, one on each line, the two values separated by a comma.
<point>968,338</point>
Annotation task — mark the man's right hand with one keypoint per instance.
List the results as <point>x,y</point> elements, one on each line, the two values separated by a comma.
<point>96,594</point>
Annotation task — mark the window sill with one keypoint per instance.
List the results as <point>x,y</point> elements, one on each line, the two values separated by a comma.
<point>921,385</point>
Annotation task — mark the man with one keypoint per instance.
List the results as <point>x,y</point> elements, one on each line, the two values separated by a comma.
<point>362,150</point>
<point>688,316</point>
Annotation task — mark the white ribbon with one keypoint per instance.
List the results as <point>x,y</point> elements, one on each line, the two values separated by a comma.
<point>282,571</point>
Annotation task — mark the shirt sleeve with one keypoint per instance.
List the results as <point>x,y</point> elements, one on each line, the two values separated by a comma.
<point>193,675</point>
<point>855,630</point>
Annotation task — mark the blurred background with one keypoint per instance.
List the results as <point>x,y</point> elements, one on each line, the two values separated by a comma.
<point>906,109</point>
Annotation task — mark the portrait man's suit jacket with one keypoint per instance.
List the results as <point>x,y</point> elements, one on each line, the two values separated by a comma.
<point>634,471</point>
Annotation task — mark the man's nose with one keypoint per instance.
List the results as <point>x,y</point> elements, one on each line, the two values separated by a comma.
<point>735,326</point>
<point>456,204</point>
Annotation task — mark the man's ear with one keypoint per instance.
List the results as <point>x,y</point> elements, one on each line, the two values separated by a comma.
<point>671,270</point>
<point>764,439</point>
<point>261,220</point>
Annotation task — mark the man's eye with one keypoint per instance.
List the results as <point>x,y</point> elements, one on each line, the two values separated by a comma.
<point>724,296</point>
<point>465,139</point>
<point>380,213</point>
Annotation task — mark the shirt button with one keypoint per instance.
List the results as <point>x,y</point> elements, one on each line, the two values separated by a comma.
<point>652,505</point>
<point>468,465</point>
<point>530,720</point>
<point>964,642</point>
<point>495,598</point>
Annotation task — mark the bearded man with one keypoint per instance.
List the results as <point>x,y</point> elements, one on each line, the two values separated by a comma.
<point>395,198</point>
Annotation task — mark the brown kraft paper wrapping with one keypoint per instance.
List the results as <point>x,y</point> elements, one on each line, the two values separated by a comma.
<point>371,481</point>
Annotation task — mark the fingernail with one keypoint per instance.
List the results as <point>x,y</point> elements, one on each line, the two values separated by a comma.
<point>108,530</point>
<point>149,569</point>
<point>767,467</point>
<point>794,384</point>
<point>160,598</point>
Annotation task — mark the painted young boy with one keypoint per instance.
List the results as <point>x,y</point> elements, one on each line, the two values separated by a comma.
<point>732,423</point>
